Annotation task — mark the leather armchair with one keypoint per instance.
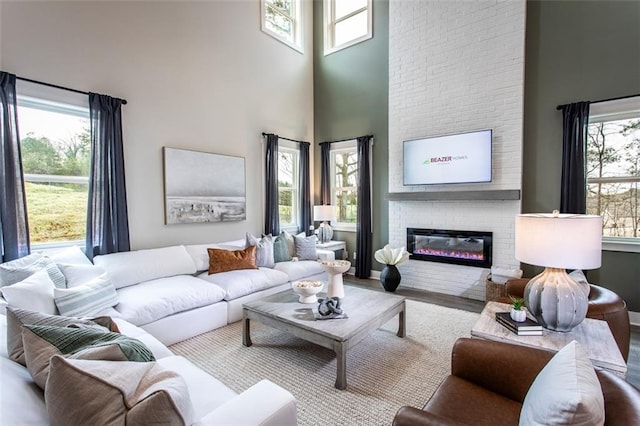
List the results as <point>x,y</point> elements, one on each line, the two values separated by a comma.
<point>489,381</point>
<point>604,305</point>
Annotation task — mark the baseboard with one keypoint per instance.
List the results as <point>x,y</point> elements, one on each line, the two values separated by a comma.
<point>634,318</point>
<point>373,275</point>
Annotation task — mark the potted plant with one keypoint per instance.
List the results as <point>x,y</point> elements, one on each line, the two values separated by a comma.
<point>391,258</point>
<point>517,312</point>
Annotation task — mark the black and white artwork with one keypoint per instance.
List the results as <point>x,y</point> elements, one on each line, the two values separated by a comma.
<point>203,187</point>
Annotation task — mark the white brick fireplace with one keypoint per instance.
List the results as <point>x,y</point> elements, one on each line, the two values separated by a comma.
<point>456,66</point>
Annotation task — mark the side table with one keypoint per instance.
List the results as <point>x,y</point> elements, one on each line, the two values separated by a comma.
<point>593,335</point>
<point>338,247</point>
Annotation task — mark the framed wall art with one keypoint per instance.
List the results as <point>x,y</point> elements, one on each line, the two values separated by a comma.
<point>203,187</point>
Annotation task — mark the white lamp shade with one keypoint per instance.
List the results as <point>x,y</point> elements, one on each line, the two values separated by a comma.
<point>322,213</point>
<point>566,241</point>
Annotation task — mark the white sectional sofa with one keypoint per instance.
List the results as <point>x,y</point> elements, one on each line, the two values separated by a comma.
<point>265,403</point>
<point>163,296</point>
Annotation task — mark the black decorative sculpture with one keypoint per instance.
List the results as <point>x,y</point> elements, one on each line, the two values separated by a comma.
<point>329,306</point>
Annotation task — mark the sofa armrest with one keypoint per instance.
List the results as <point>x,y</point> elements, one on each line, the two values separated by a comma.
<point>515,287</point>
<point>411,416</point>
<point>503,368</point>
<point>264,403</point>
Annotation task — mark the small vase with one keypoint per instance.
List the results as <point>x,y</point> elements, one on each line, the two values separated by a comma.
<point>390,278</point>
<point>518,316</point>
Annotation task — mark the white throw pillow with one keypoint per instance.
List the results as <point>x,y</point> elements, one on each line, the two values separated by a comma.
<point>70,255</point>
<point>34,293</point>
<point>80,274</point>
<point>17,270</point>
<point>565,392</point>
<point>87,299</point>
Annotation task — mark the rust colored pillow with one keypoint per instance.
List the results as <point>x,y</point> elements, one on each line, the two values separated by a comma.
<point>226,260</point>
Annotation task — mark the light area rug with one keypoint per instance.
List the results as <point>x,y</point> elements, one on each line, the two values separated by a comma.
<point>384,372</point>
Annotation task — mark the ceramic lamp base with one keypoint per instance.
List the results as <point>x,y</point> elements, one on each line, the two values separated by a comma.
<point>556,300</point>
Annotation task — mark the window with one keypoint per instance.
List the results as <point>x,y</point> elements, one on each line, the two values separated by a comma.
<point>344,185</point>
<point>347,22</point>
<point>56,151</point>
<point>613,168</point>
<point>288,187</point>
<point>281,19</point>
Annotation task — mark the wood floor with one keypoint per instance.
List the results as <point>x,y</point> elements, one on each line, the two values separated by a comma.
<point>633,364</point>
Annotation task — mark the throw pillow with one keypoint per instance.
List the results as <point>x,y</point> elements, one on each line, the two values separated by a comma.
<point>580,278</point>
<point>228,260</point>
<point>306,247</point>
<point>281,249</point>
<point>73,255</point>
<point>565,392</point>
<point>41,342</point>
<point>291,241</point>
<point>81,392</point>
<point>34,293</point>
<point>19,269</point>
<point>76,275</point>
<point>17,317</point>
<point>264,249</point>
<point>88,299</point>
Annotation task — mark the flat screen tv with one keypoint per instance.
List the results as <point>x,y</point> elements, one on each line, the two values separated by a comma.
<point>459,158</point>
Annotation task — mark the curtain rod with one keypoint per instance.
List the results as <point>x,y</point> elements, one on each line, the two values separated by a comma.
<point>607,100</point>
<point>349,139</point>
<point>124,101</point>
<point>280,137</point>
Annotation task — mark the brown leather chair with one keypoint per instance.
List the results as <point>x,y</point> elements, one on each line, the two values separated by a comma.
<point>604,305</point>
<point>489,381</point>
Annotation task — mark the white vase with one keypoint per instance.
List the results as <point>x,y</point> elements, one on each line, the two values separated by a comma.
<point>518,316</point>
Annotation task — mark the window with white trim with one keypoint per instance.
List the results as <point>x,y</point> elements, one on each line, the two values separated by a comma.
<point>281,19</point>
<point>56,153</point>
<point>344,185</point>
<point>613,168</point>
<point>346,22</point>
<point>288,187</point>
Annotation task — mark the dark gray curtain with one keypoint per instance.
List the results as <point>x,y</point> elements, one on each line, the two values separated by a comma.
<point>305,189</point>
<point>271,214</point>
<point>575,119</point>
<point>107,221</point>
<point>14,228</point>
<point>325,173</point>
<point>363,229</point>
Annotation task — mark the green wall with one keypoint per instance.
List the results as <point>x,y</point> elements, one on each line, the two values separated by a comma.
<point>576,51</point>
<point>351,99</point>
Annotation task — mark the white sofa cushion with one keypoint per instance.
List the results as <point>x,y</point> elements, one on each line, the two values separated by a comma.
<point>206,391</point>
<point>155,346</point>
<point>200,255</point>
<point>155,299</point>
<point>133,267</point>
<point>241,282</point>
<point>299,270</point>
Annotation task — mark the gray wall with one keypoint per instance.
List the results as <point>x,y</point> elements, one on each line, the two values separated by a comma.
<point>350,100</point>
<point>575,51</point>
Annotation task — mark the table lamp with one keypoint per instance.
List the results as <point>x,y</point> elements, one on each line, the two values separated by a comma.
<point>324,213</point>
<point>558,242</point>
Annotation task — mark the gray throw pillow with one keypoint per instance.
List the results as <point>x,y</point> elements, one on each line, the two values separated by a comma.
<point>306,247</point>
<point>17,270</point>
<point>281,249</point>
<point>264,250</point>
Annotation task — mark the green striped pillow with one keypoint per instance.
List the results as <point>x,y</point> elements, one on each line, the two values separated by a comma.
<point>87,299</point>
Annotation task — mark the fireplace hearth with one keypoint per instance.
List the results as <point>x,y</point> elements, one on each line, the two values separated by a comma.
<point>469,248</point>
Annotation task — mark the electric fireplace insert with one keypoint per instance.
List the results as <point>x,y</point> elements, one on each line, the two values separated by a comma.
<point>469,248</point>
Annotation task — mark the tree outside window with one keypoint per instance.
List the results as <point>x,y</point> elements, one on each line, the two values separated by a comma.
<point>613,175</point>
<point>344,164</point>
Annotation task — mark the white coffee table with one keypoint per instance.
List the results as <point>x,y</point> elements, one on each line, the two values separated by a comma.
<point>593,335</point>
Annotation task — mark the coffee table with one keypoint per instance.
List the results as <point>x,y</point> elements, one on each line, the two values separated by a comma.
<point>367,310</point>
<point>593,335</point>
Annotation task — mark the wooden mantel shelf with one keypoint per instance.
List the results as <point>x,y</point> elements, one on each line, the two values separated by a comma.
<point>501,194</point>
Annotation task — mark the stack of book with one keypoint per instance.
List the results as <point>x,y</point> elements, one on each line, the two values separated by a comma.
<point>529,327</point>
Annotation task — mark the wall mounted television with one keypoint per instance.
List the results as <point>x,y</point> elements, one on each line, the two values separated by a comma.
<point>457,158</point>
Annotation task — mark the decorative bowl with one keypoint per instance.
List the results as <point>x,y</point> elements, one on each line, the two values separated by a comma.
<point>307,290</point>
